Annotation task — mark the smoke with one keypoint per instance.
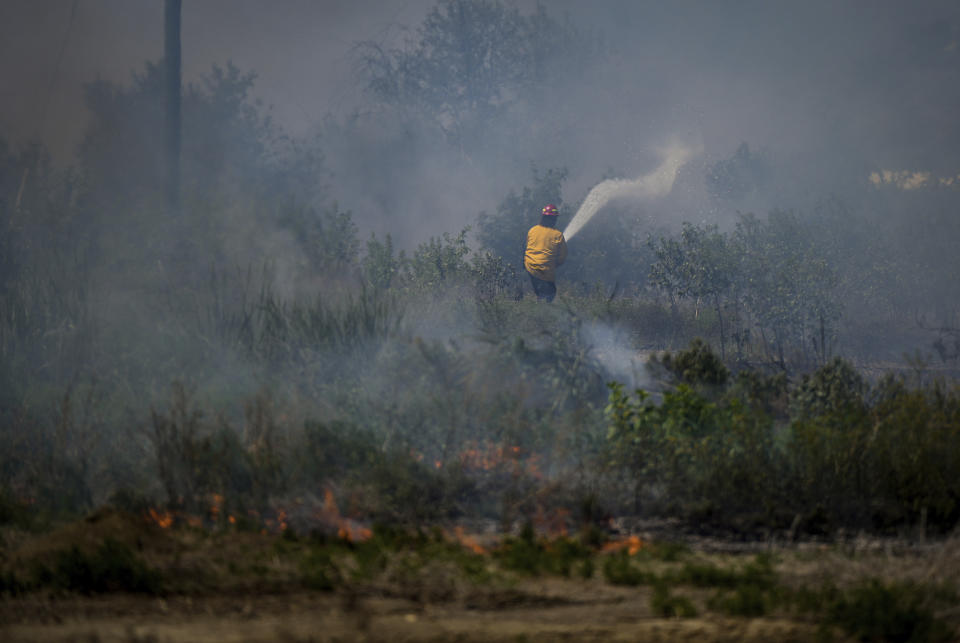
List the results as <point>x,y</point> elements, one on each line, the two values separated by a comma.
<point>611,347</point>
<point>657,184</point>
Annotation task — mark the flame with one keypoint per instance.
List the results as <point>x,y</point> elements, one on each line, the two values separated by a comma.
<point>554,523</point>
<point>216,503</point>
<point>346,528</point>
<point>468,541</point>
<point>491,457</point>
<point>164,520</point>
<point>632,544</point>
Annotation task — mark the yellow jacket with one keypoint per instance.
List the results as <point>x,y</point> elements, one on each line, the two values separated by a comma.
<point>546,249</point>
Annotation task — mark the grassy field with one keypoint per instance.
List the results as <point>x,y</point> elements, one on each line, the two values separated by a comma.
<point>115,576</point>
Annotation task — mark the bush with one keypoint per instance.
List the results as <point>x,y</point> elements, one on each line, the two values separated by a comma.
<point>318,570</point>
<point>113,567</point>
<point>877,611</point>
<point>698,365</point>
<point>666,605</point>
<point>618,569</point>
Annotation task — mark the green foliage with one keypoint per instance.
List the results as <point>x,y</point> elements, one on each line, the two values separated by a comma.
<point>274,330</point>
<point>472,61</point>
<point>758,573</point>
<point>834,389</point>
<point>504,233</point>
<point>788,284</point>
<point>530,555</point>
<point>328,239</point>
<point>772,280</point>
<point>619,569</point>
<point>879,611</point>
<point>714,459</point>
<point>698,264</point>
<point>380,267</point>
<point>494,277</point>
<point>227,142</point>
<point>318,571</point>
<point>438,263</point>
<point>395,487</point>
<point>667,605</point>
<point>841,452</point>
<point>113,567</point>
<point>696,365</point>
<point>749,601</point>
<point>668,551</point>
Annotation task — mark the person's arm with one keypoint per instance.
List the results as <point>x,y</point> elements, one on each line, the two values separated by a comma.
<point>561,250</point>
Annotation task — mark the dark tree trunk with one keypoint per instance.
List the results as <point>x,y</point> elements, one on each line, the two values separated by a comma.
<point>171,52</point>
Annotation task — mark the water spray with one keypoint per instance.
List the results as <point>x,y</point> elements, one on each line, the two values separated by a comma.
<point>656,184</point>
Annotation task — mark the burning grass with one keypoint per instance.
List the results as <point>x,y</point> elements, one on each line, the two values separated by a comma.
<point>115,552</point>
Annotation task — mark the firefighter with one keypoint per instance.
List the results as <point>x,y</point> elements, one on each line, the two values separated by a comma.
<point>546,249</point>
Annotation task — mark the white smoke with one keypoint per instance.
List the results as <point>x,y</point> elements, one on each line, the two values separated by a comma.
<point>658,183</point>
<point>610,346</point>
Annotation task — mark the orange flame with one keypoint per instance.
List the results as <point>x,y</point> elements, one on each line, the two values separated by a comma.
<point>164,520</point>
<point>632,544</point>
<point>553,523</point>
<point>346,528</point>
<point>468,541</point>
<point>216,503</point>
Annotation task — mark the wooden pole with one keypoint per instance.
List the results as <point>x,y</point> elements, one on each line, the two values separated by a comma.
<point>171,52</point>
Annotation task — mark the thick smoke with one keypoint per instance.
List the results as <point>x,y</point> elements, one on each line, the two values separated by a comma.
<point>326,113</point>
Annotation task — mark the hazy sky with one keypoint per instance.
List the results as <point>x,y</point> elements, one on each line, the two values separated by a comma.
<point>300,50</point>
<point>869,83</point>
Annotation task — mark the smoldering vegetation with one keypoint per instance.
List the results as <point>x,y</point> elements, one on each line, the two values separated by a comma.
<point>281,340</point>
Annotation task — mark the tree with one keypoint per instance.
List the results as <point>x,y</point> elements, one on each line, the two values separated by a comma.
<point>238,170</point>
<point>472,60</point>
<point>505,233</point>
<point>698,265</point>
<point>735,178</point>
<point>787,283</point>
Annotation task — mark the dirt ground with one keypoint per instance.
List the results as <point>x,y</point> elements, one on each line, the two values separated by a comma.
<point>551,610</point>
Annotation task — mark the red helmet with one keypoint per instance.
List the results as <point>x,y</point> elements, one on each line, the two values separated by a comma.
<point>550,211</point>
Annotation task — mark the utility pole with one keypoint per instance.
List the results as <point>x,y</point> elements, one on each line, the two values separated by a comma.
<point>171,54</point>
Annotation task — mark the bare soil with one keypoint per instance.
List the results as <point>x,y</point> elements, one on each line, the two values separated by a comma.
<point>546,611</point>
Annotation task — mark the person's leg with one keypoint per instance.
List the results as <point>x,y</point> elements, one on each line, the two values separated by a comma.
<point>550,290</point>
<point>537,286</point>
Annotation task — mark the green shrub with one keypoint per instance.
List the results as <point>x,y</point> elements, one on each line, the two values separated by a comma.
<point>318,570</point>
<point>618,569</point>
<point>530,555</point>
<point>878,611</point>
<point>380,266</point>
<point>666,605</point>
<point>698,365</point>
<point>667,551</point>
<point>12,585</point>
<point>438,263</point>
<point>746,600</point>
<point>113,567</point>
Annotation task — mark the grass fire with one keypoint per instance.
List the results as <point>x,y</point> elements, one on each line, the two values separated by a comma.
<point>477,320</point>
